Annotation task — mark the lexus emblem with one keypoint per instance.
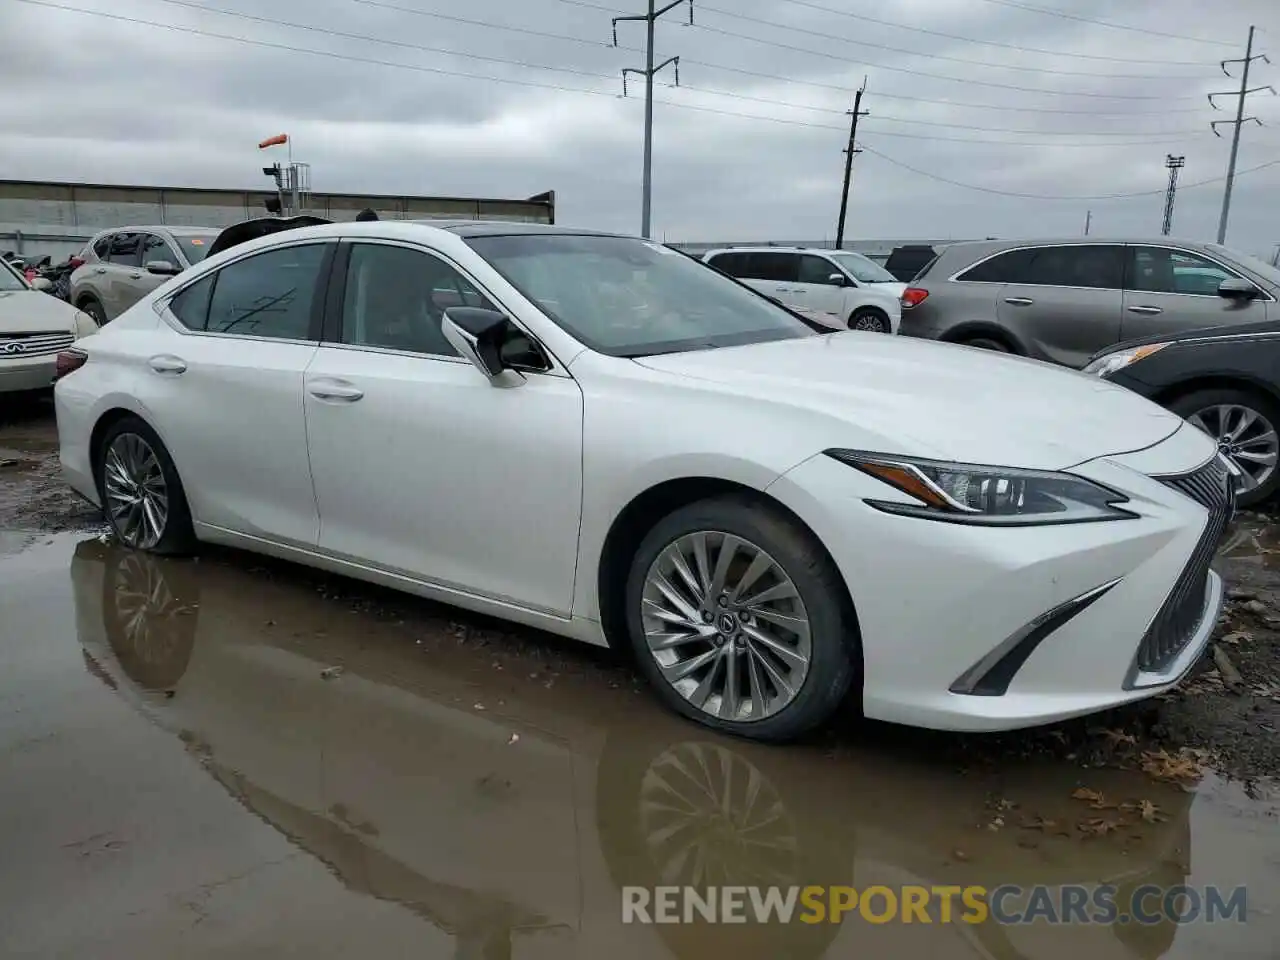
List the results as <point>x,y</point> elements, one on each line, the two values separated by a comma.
<point>13,347</point>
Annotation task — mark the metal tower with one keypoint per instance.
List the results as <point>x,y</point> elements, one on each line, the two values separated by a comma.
<point>1174,164</point>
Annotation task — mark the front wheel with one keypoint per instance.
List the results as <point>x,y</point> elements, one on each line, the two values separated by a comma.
<point>141,493</point>
<point>869,320</point>
<point>1244,426</point>
<point>94,309</point>
<point>740,620</point>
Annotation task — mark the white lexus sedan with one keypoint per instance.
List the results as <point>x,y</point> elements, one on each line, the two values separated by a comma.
<point>599,436</point>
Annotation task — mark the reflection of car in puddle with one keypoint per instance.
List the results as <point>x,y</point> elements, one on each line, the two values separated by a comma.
<point>518,845</point>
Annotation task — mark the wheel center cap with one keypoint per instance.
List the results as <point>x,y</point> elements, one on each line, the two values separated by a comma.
<point>727,624</point>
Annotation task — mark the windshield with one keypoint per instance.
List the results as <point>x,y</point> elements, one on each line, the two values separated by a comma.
<point>1257,265</point>
<point>10,280</point>
<point>863,269</point>
<point>632,298</point>
<point>195,246</point>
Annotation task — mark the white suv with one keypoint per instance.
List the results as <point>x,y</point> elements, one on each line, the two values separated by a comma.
<point>839,288</point>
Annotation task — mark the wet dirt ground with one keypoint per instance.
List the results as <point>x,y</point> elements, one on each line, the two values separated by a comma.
<point>226,756</point>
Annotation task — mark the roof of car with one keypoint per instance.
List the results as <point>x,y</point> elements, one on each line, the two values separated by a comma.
<point>1075,241</point>
<point>504,228</point>
<point>767,248</point>
<point>177,231</point>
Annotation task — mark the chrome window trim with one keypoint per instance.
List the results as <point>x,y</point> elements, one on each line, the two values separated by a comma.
<point>955,277</point>
<point>557,368</point>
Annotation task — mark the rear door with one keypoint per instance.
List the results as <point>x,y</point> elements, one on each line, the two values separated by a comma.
<point>774,275</point>
<point>1064,302</point>
<point>115,276</point>
<point>1169,290</point>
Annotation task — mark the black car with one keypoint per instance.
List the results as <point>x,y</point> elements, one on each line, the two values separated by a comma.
<point>1225,380</point>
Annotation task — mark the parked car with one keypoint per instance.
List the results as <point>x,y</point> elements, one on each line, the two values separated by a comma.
<point>906,261</point>
<point>844,288</point>
<point>1064,301</point>
<point>623,446</point>
<point>34,329</point>
<point>1226,382</point>
<point>121,266</point>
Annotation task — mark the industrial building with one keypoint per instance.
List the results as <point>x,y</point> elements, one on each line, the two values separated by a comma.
<point>47,217</point>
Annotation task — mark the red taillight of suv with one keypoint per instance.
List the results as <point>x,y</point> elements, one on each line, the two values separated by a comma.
<point>75,263</point>
<point>913,297</point>
<point>68,361</point>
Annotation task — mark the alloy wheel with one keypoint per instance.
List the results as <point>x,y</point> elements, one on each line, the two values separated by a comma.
<point>137,497</point>
<point>726,626</point>
<point>868,322</point>
<point>1245,437</point>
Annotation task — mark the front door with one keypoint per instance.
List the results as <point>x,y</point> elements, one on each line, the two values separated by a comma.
<point>817,291</point>
<point>226,394</point>
<point>1064,303</point>
<point>424,467</point>
<point>1168,291</point>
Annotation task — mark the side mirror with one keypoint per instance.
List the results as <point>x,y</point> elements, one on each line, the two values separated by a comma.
<point>43,284</point>
<point>838,280</point>
<point>1234,288</point>
<point>478,335</point>
<point>162,268</point>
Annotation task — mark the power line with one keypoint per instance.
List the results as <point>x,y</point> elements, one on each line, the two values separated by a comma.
<point>988,43</point>
<point>1045,196</point>
<point>1155,137</point>
<point>431,14</point>
<point>774,25</point>
<point>1062,14</point>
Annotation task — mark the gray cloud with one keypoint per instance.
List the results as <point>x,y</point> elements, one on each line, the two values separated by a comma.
<point>96,99</point>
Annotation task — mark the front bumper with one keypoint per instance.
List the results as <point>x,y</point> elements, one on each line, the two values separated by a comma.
<point>936,600</point>
<point>32,374</point>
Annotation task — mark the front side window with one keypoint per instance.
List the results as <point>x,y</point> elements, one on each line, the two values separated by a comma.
<point>268,294</point>
<point>1161,270</point>
<point>817,270</point>
<point>155,248</point>
<point>101,246</point>
<point>124,248</point>
<point>630,298</point>
<point>396,297</point>
<point>863,269</point>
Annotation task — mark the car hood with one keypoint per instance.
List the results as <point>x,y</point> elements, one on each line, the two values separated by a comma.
<point>31,311</point>
<point>936,400</point>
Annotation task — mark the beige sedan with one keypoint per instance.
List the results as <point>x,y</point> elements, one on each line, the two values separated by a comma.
<point>34,328</point>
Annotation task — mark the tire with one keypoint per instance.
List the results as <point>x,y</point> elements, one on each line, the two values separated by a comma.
<point>131,446</point>
<point>712,645</point>
<point>869,319</point>
<point>1205,409</point>
<point>986,343</point>
<point>94,309</point>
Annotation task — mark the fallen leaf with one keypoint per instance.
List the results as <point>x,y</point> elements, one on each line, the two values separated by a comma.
<point>1236,637</point>
<point>515,737</point>
<point>1084,793</point>
<point>1160,765</point>
<point>331,673</point>
<point>1150,812</point>
<point>1099,826</point>
<point>1118,737</point>
<point>1039,823</point>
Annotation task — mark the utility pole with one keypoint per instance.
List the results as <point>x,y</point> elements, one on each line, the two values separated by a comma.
<point>1088,221</point>
<point>1174,164</point>
<point>850,150</point>
<point>650,19</point>
<point>1238,122</point>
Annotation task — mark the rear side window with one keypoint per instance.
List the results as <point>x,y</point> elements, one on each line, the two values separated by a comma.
<point>101,246</point>
<point>1013,266</point>
<point>780,267</point>
<point>734,264</point>
<point>191,307</point>
<point>269,294</point>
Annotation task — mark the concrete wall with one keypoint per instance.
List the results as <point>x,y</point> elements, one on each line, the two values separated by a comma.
<point>58,218</point>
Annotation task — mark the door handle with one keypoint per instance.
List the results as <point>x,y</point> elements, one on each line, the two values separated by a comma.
<point>135,276</point>
<point>1019,301</point>
<point>100,270</point>
<point>1145,309</point>
<point>334,391</point>
<point>168,365</point>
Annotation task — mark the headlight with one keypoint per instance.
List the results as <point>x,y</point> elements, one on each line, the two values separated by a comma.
<point>986,496</point>
<point>84,325</point>
<point>1109,363</point>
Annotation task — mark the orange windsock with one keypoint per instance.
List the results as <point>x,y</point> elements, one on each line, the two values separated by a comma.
<point>274,141</point>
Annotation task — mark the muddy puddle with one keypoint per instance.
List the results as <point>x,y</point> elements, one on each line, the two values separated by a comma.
<point>203,757</point>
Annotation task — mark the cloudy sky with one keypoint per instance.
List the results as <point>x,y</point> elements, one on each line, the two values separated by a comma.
<point>1029,100</point>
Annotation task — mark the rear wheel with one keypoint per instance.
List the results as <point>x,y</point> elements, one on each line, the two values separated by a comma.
<point>141,493</point>
<point>740,620</point>
<point>986,343</point>
<point>1244,426</point>
<point>870,320</point>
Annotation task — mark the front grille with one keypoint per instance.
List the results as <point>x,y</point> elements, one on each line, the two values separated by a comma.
<point>20,346</point>
<point>1213,487</point>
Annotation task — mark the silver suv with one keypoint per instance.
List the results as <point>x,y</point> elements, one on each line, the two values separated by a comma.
<point>1064,300</point>
<point>123,265</point>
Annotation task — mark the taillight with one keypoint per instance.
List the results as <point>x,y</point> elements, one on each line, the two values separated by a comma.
<point>75,263</point>
<point>913,297</point>
<point>68,361</point>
